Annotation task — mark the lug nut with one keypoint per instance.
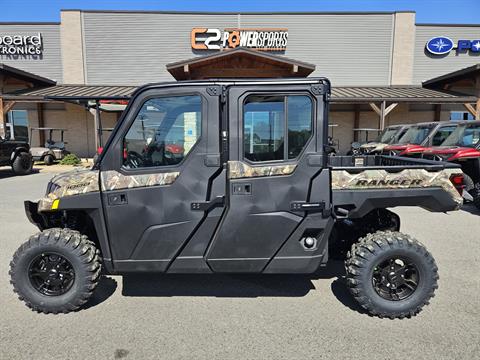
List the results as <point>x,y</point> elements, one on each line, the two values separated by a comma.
<point>309,242</point>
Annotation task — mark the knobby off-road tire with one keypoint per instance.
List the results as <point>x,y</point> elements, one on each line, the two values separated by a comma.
<point>22,164</point>
<point>392,295</point>
<point>48,160</point>
<point>41,271</point>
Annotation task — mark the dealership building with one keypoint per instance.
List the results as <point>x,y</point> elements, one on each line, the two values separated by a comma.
<point>385,68</point>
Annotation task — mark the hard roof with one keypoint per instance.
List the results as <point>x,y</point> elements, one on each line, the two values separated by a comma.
<point>465,73</point>
<point>341,94</point>
<point>16,73</point>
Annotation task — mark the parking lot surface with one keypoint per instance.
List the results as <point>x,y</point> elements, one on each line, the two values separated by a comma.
<point>262,317</point>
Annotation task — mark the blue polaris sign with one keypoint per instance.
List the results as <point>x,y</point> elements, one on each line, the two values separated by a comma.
<point>439,45</point>
<point>442,45</point>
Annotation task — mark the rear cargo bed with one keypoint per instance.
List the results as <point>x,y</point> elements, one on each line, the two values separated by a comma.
<point>363,183</point>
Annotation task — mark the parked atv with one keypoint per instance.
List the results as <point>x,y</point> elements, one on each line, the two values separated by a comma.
<point>420,136</point>
<point>462,147</point>
<point>16,154</point>
<point>241,198</point>
<point>53,150</point>
<point>389,135</point>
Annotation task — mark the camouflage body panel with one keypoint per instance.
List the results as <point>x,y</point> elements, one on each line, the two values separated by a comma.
<point>79,182</point>
<point>405,179</point>
<point>373,147</point>
<point>68,184</point>
<point>239,169</point>
<point>113,180</point>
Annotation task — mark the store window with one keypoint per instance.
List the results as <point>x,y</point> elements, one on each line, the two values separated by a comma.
<point>276,127</point>
<point>460,115</point>
<point>164,132</point>
<point>19,119</point>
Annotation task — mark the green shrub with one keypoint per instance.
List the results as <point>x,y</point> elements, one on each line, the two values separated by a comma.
<point>70,159</point>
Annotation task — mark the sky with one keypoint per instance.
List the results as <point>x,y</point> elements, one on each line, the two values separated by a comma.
<point>428,11</point>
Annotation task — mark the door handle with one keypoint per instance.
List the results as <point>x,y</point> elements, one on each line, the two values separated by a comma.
<point>117,199</point>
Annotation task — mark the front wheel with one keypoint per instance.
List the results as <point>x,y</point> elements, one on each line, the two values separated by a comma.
<point>55,271</point>
<point>390,274</point>
<point>22,164</point>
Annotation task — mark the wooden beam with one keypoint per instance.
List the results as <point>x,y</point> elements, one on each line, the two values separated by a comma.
<point>2,119</point>
<point>390,107</point>
<point>471,109</point>
<point>375,108</point>
<point>7,106</point>
<point>438,112</point>
<point>356,121</point>
<point>41,123</point>
<point>477,115</point>
<point>382,116</point>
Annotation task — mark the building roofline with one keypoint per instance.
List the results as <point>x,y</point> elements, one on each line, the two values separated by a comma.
<point>447,25</point>
<point>452,76</point>
<point>26,76</point>
<point>243,12</point>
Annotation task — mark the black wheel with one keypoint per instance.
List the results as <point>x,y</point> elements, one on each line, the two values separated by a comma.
<point>390,274</point>
<point>22,164</point>
<point>48,160</point>
<point>55,271</point>
<point>475,192</point>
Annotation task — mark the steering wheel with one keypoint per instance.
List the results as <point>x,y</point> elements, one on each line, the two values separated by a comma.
<point>134,159</point>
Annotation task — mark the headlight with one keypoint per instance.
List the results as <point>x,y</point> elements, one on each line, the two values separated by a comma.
<point>51,187</point>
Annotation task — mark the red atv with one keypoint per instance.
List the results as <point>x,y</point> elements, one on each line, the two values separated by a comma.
<point>462,147</point>
<point>420,136</point>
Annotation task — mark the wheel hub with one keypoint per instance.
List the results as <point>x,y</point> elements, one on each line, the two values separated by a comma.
<point>51,274</point>
<point>395,278</point>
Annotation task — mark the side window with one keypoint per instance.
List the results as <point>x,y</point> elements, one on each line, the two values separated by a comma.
<point>442,134</point>
<point>163,132</point>
<point>266,120</point>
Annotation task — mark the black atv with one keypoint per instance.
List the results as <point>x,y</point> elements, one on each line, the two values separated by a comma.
<point>16,153</point>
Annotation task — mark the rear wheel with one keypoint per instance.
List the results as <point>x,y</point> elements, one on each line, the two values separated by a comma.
<point>55,271</point>
<point>390,274</point>
<point>48,160</point>
<point>22,164</point>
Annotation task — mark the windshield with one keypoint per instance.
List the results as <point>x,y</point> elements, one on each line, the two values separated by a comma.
<point>468,136</point>
<point>416,135</point>
<point>387,135</point>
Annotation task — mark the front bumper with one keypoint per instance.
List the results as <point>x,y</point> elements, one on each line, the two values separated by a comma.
<point>37,219</point>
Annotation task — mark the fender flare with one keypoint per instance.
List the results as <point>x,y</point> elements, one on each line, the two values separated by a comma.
<point>18,150</point>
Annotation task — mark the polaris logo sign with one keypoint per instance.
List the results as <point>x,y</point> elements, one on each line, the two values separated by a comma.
<point>259,39</point>
<point>21,44</point>
<point>442,45</point>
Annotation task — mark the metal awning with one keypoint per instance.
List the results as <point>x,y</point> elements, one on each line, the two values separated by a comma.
<point>72,92</point>
<point>395,94</point>
<point>342,94</point>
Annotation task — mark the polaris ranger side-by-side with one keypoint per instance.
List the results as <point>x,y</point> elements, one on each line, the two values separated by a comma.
<point>390,135</point>
<point>462,147</point>
<point>253,192</point>
<point>420,136</point>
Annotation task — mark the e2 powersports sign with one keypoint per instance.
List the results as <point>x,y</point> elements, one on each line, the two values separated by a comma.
<point>442,45</point>
<point>21,44</point>
<point>259,39</point>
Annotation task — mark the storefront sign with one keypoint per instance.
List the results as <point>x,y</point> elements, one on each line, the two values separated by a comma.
<point>259,39</point>
<point>442,45</point>
<point>21,44</point>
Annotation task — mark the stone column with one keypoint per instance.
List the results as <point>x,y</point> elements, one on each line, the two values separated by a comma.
<point>403,48</point>
<point>72,47</point>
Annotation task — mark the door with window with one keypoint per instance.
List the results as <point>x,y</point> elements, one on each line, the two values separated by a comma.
<point>275,143</point>
<point>163,158</point>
